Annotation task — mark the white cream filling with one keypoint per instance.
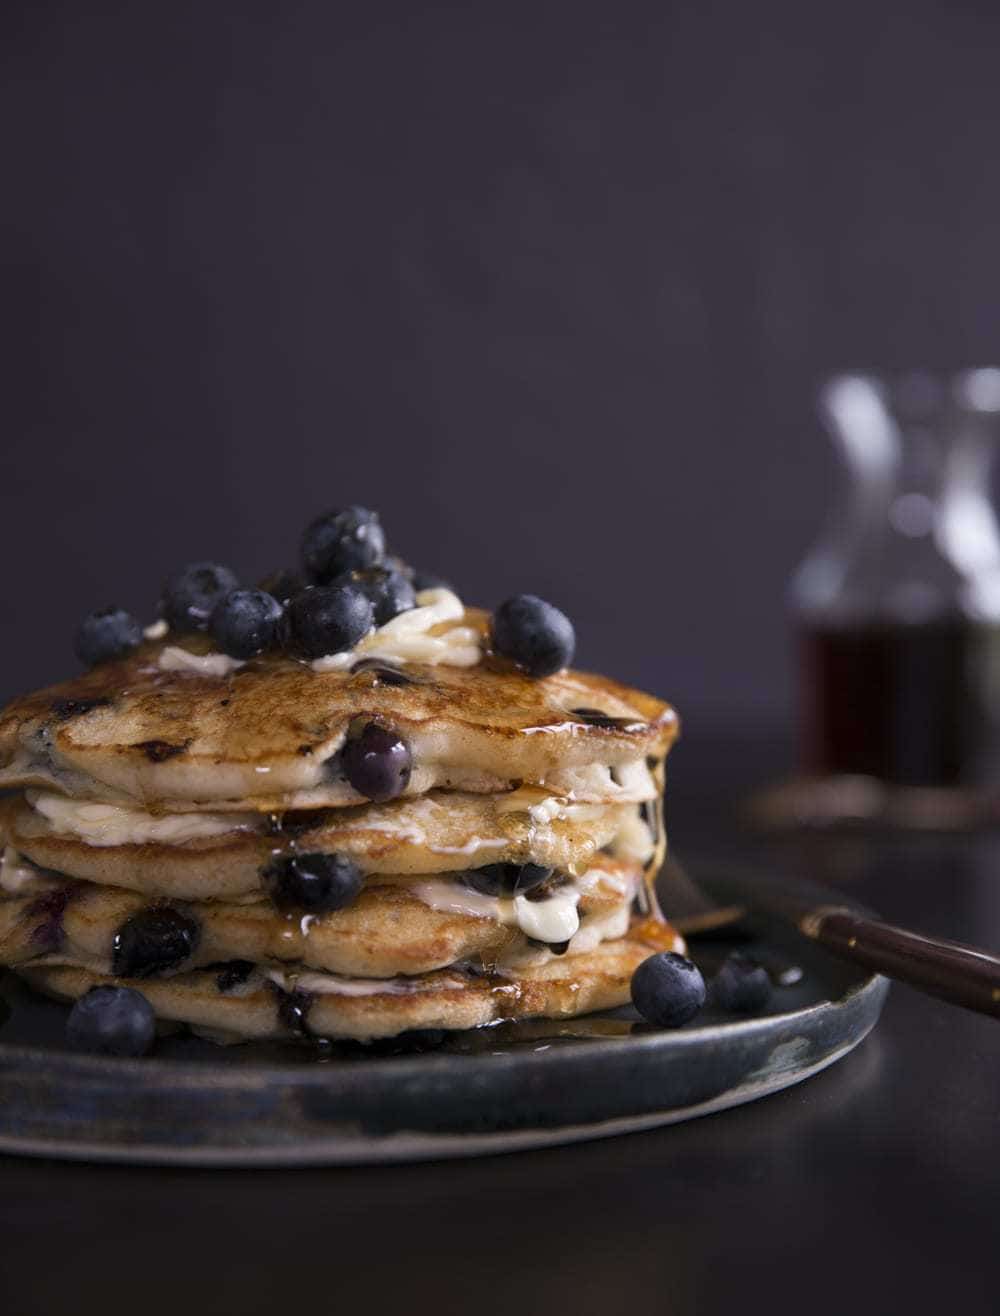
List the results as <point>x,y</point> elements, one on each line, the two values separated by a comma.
<point>111,824</point>
<point>454,898</point>
<point>600,927</point>
<point>630,782</point>
<point>174,659</point>
<point>594,929</point>
<point>591,930</point>
<point>624,883</point>
<point>634,840</point>
<point>553,920</point>
<point>407,638</point>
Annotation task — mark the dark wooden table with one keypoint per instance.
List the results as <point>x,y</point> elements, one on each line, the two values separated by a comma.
<point>874,1187</point>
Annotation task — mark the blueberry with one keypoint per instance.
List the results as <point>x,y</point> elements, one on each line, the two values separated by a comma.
<point>390,592</point>
<point>351,540</point>
<point>328,619</point>
<point>313,883</point>
<point>282,584</point>
<point>533,634</point>
<point>190,595</point>
<point>110,633</point>
<point>247,622</point>
<point>506,879</point>
<point>151,941</point>
<point>46,912</point>
<point>111,1021</point>
<point>668,989</point>
<point>741,985</point>
<point>377,763</point>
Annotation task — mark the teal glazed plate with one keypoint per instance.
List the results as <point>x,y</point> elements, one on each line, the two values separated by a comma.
<point>504,1088</point>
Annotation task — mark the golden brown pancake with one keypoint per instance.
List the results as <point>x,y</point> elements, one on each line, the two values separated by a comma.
<point>323,1005</point>
<point>266,736</point>
<point>439,833</point>
<point>395,926</point>
<point>163,786</point>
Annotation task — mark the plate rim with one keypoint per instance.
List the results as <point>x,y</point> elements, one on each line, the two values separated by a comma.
<point>409,1147</point>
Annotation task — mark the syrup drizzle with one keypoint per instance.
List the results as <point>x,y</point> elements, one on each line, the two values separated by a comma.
<point>593,717</point>
<point>381,672</point>
<point>651,812</point>
<point>293,1011</point>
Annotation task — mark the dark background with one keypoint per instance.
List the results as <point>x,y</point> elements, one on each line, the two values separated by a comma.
<point>552,285</point>
<point>549,284</point>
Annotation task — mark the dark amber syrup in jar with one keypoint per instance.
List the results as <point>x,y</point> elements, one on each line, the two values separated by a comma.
<point>906,703</point>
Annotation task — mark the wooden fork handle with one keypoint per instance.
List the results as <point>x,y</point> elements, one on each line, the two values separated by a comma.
<point>956,973</point>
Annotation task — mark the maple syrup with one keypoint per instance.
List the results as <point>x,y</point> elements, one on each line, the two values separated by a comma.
<point>905,703</point>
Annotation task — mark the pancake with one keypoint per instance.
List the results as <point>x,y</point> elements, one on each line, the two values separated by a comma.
<point>166,800</point>
<point>266,736</point>
<point>275,1004</point>
<point>222,856</point>
<point>395,926</point>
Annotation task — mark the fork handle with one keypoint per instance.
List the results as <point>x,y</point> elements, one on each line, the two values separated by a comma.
<point>954,972</point>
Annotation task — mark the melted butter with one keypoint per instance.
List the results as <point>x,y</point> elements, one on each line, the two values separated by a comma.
<point>112,824</point>
<point>408,637</point>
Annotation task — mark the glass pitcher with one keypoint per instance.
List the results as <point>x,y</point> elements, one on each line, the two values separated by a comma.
<point>898,606</point>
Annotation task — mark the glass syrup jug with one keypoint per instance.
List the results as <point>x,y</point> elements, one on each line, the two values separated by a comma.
<point>898,606</point>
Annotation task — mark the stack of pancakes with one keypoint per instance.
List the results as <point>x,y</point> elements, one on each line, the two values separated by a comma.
<point>154,797</point>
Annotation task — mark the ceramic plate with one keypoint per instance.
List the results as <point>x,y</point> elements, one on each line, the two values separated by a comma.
<point>498,1089</point>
